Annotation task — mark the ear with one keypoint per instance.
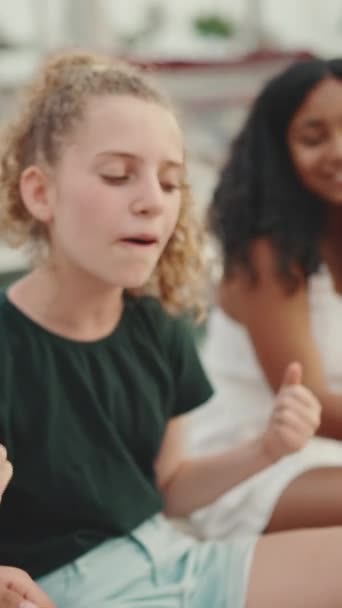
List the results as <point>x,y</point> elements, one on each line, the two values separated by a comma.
<point>35,190</point>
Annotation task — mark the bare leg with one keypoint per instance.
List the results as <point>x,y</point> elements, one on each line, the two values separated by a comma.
<point>314,499</point>
<point>299,569</point>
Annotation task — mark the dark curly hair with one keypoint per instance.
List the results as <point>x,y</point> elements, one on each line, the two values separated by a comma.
<point>259,195</point>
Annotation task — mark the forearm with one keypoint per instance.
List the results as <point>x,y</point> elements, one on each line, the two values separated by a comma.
<point>199,481</point>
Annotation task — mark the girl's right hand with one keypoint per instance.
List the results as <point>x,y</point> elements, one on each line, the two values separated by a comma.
<point>18,590</point>
<point>6,470</point>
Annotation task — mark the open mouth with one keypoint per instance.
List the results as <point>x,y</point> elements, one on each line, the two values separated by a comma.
<point>140,241</point>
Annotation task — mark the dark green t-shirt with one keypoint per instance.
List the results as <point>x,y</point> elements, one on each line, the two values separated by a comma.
<point>83,424</point>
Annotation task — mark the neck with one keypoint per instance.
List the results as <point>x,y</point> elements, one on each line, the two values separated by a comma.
<point>77,307</point>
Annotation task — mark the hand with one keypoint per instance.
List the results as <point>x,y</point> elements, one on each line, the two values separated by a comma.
<point>18,590</point>
<point>5,471</point>
<point>295,418</point>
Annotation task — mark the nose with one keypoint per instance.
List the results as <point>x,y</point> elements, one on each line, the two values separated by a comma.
<point>149,198</point>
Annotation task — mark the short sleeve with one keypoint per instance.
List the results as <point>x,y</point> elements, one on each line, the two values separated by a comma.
<point>192,387</point>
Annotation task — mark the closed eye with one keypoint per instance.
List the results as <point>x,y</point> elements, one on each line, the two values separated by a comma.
<point>170,187</point>
<point>312,141</point>
<point>115,179</point>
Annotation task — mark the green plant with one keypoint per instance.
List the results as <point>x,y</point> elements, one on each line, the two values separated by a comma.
<point>213,25</point>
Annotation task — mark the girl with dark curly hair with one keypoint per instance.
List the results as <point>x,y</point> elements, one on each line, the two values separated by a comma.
<point>277,213</point>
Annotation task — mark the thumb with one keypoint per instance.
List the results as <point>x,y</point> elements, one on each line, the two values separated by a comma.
<point>293,374</point>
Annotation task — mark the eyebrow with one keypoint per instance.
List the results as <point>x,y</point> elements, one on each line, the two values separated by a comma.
<point>130,156</point>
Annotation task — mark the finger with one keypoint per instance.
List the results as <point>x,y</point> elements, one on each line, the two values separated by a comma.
<point>293,413</point>
<point>3,453</point>
<point>290,402</point>
<point>291,438</point>
<point>5,468</point>
<point>293,374</point>
<point>302,394</point>
<point>6,472</point>
<point>293,425</point>
<point>30,591</point>
<point>11,599</point>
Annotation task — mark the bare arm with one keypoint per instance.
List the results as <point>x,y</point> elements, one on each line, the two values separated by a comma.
<point>279,327</point>
<point>188,484</point>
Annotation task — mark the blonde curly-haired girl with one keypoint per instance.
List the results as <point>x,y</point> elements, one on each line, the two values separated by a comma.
<point>97,369</point>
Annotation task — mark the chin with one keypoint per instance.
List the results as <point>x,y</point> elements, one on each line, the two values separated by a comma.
<point>135,280</point>
<point>129,276</point>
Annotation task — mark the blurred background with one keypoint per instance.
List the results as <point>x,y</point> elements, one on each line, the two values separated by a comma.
<point>210,55</point>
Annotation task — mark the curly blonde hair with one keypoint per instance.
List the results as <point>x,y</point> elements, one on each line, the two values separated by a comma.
<point>53,104</point>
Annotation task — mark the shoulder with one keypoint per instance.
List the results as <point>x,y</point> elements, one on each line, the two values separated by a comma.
<point>266,265</point>
<point>241,295</point>
<point>18,335</point>
<point>172,338</point>
<point>5,318</point>
<point>11,346</point>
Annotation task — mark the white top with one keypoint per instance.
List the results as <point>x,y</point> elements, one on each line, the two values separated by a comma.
<point>242,405</point>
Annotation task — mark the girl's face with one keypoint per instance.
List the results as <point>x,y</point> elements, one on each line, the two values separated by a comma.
<point>315,141</point>
<point>116,192</point>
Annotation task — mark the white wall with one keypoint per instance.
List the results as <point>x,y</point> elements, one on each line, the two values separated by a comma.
<point>315,23</point>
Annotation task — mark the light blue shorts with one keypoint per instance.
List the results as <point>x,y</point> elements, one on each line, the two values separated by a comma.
<point>155,567</point>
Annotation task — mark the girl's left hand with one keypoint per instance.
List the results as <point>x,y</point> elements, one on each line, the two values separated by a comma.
<point>6,470</point>
<point>295,419</point>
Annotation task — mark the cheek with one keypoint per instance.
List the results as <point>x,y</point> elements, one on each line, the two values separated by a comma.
<point>305,162</point>
<point>173,214</point>
<point>88,209</point>
<point>78,219</point>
